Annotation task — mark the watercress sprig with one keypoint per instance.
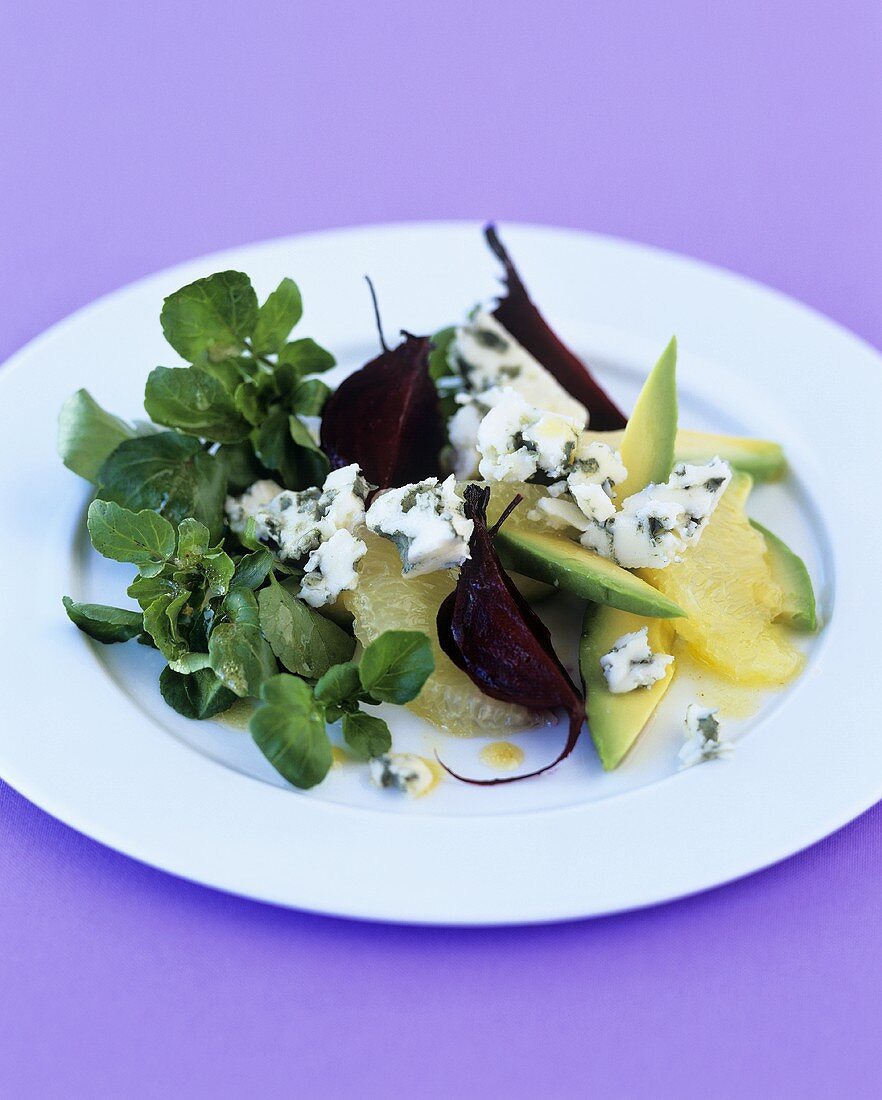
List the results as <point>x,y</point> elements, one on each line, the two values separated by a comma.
<point>290,725</point>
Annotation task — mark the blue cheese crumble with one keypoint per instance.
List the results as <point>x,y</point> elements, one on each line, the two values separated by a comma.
<point>242,508</point>
<point>427,523</point>
<point>296,523</point>
<point>402,771</point>
<point>518,442</point>
<point>703,741</point>
<point>330,569</point>
<point>485,355</point>
<point>486,359</point>
<point>657,524</point>
<point>631,664</point>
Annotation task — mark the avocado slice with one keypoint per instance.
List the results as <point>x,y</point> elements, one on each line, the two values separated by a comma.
<point>789,571</point>
<point>616,721</point>
<point>647,447</point>
<point>552,557</point>
<point>760,458</point>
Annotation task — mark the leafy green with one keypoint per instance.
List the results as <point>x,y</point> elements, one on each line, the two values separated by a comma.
<point>309,398</point>
<point>103,623</point>
<point>394,668</point>
<point>241,656</point>
<point>276,317</point>
<point>240,606</point>
<point>195,403</point>
<point>439,363</point>
<point>143,538</point>
<point>307,357</point>
<point>87,434</point>
<point>283,443</point>
<point>366,734</point>
<point>161,623</point>
<point>240,466</point>
<point>198,694</point>
<point>340,686</point>
<point>169,473</point>
<point>289,729</point>
<point>212,316</point>
<point>252,569</point>
<point>304,641</point>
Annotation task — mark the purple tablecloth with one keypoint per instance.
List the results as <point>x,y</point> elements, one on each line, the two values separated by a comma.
<point>136,135</point>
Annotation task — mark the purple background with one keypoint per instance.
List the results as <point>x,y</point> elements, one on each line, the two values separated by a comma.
<point>133,136</point>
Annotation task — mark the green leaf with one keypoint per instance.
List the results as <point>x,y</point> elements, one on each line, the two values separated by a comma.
<point>143,538</point>
<point>366,735</point>
<point>340,684</point>
<point>240,465</point>
<point>193,540</point>
<point>252,569</point>
<point>241,657</point>
<point>309,397</point>
<point>197,695</point>
<point>195,403</point>
<point>87,434</point>
<point>240,606</point>
<point>290,732</point>
<point>211,317</point>
<point>395,667</point>
<point>284,444</point>
<point>147,589</point>
<point>307,357</point>
<point>304,641</point>
<point>439,364</point>
<point>277,316</point>
<point>104,624</point>
<point>161,623</point>
<point>169,473</point>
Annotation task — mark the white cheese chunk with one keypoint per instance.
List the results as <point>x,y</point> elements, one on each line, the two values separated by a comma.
<point>330,569</point>
<point>402,771</point>
<point>631,663</point>
<point>242,508</point>
<point>703,741</point>
<point>427,523</point>
<point>298,522</point>
<point>657,524</point>
<point>517,441</point>
<point>486,355</point>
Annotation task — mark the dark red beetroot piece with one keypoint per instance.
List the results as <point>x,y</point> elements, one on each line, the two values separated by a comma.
<point>517,313</point>
<point>488,629</point>
<point>386,416</point>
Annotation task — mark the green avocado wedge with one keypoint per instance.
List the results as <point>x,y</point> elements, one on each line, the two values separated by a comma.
<point>616,721</point>
<point>552,557</point>
<point>789,571</point>
<point>647,447</point>
<point>760,458</point>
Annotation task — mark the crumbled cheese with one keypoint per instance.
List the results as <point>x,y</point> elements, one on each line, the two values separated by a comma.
<point>518,442</point>
<point>486,355</point>
<point>242,508</point>
<point>702,737</point>
<point>427,523</point>
<point>298,522</point>
<point>330,569</point>
<point>631,663</point>
<point>402,771</point>
<point>657,524</point>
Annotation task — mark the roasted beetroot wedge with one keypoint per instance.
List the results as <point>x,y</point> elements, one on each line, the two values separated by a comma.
<point>517,313</point>
<point>489,630</point>
<point>386,416</point>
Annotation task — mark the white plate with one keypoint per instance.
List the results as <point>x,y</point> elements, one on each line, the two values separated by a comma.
<point>85,735</point>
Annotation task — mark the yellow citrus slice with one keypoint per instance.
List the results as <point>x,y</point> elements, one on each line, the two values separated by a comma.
<point>725,586</point>
<point>385,600</point>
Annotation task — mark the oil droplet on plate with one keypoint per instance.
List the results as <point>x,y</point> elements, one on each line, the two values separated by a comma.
<point>502,756</point>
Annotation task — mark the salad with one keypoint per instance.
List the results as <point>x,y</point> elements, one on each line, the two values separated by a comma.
<point>320,551</point>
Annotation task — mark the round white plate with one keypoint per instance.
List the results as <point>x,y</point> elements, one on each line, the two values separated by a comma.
<point>85,735</point>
